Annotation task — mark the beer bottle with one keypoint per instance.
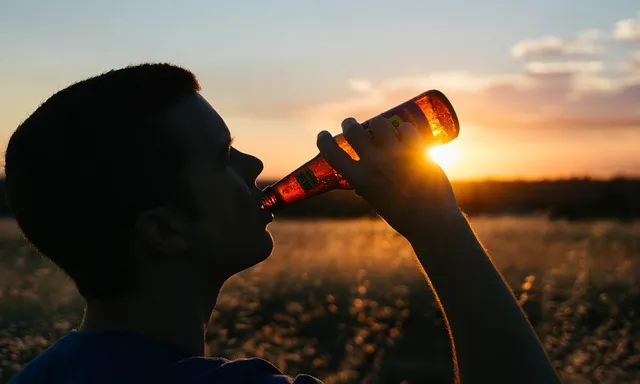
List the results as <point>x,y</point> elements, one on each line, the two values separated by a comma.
<point>430,112</point>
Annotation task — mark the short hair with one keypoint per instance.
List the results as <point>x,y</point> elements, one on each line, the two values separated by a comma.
<point>90,159</point>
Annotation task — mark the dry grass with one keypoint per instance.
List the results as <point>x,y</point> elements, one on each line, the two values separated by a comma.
<point>344,301</point>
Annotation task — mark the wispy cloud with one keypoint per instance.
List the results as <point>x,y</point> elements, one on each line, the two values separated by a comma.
<point>585,43</point>
<point>541,100</point>
<point>564,67</point>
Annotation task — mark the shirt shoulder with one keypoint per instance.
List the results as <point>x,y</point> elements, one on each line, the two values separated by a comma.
<point>199,370</point>
<point>98,358</point>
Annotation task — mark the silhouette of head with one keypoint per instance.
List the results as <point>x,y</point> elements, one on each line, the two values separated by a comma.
<point>133,169</point>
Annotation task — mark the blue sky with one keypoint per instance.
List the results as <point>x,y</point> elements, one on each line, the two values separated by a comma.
<point>269,66</point>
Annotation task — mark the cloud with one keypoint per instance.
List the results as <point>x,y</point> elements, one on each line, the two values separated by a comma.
<point>585,43</point>
<point>627,30</point>
<point>563,67</point>
<point>360,85</point>
<point>544,96</point>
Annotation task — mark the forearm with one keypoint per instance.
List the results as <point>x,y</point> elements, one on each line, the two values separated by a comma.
<point>494,342</point>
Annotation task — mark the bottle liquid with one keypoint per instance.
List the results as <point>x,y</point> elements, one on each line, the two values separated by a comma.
<point>430,112</point>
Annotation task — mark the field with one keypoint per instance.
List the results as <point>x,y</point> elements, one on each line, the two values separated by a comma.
<point>343,300</point>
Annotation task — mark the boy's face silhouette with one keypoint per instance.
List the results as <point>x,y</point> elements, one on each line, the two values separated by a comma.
<point>226,232</point>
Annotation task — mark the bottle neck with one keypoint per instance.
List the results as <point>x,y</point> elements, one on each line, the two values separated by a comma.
<point>270,200</point>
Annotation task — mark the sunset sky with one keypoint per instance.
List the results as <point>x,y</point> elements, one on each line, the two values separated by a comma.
<point>543,88</point>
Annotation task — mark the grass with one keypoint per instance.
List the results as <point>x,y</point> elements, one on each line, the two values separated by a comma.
<point>343,300</point>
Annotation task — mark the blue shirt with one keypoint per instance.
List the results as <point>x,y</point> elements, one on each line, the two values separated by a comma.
<point>127,358</point>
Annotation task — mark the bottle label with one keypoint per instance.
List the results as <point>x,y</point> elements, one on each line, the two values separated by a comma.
<point>408,112</point>
<point>307,179</point>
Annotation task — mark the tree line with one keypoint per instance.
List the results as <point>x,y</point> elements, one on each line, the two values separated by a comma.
<point>572,199</point>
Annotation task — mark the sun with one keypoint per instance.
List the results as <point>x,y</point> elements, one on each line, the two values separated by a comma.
<point>446,155</point>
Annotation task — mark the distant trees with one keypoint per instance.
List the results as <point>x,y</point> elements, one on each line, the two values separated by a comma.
<point>573,199</point>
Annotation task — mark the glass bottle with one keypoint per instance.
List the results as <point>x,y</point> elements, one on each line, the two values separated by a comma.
<point>430,112</point>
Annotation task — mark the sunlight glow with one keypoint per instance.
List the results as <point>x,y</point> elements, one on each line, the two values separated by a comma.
<point>446,156</point>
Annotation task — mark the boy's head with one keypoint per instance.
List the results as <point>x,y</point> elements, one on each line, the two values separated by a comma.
<point>133,168</point>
